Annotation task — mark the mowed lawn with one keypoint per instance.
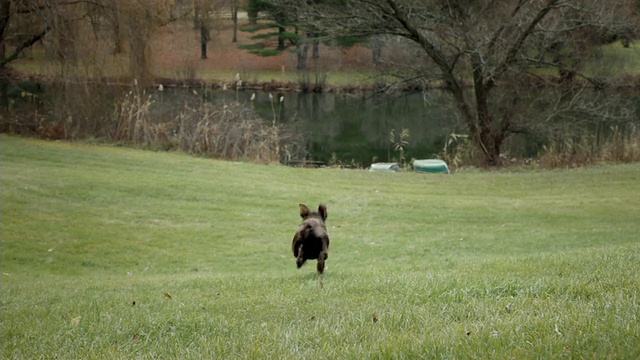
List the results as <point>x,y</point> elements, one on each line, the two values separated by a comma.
<point>114,253</point>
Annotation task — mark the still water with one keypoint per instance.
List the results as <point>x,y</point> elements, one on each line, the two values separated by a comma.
<point>356,129</point>
<point>351,129</point>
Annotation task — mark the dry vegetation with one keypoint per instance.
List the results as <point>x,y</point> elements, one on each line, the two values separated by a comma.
<point>224,131</point>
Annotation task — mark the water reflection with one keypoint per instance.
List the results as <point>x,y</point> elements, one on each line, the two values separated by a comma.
<point>338,128</point>
<point>355,128</point>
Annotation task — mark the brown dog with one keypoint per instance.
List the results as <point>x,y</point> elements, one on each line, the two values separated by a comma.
<point>312,240</point>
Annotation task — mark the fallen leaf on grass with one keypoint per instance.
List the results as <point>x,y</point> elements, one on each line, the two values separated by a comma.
<point>167,295</point>
<point>75,321</point>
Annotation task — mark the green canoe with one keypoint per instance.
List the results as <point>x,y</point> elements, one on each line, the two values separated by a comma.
<point>430,166</point>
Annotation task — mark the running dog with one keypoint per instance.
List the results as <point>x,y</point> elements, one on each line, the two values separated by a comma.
<point>311,240</point>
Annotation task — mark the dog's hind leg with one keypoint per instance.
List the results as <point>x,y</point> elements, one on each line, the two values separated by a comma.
<point>323,255</point>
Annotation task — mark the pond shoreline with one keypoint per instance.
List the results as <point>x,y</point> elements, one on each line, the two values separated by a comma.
<point>8,74</point>
<point>272,85</point>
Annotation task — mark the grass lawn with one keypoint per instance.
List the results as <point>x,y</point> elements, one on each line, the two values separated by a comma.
<point>615,60</point>
<point>117,253</point>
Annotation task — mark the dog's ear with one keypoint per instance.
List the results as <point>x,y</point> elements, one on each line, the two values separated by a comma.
<point>322,210</point>
<point>304,211</point>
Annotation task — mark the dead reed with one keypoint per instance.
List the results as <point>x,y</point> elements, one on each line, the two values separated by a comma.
<point>231,131</point>
<point>620,145</point>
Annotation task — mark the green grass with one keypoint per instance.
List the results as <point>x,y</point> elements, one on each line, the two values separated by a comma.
<point>333,78</point>
<point>502,264</point>
<point>42,67</point>
<point>616,60</point>
<point>613,60</point>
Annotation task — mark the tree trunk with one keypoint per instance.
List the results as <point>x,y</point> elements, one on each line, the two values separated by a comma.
<point>281,44</point>
<point>376,51</point>
<point>252,14</point>
<point>303,51</point>
<point>315,45</point>
<point>486,135</point>
<point>234,17</point>
<point>204,39</point>
<point>4,97</point>
<point>117,38</point>
<point>138,47</point>
<point>117,28</point>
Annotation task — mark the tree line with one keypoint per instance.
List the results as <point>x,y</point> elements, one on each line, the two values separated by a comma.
<point>485,54</point>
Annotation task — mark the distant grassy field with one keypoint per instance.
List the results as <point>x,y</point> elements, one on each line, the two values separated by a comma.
<point>116,67</point>
<point>175,54</point>
<point>113,253</point>
<point>616,60</point>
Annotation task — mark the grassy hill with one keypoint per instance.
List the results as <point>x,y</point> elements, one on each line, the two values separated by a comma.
<point>111,252</point>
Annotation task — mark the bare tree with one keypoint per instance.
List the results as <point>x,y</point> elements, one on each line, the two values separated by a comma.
<point>71,28</point>
<point>57,25</point>
<point>482,51</point>
<point>16,36</point>
<point>208,16</point>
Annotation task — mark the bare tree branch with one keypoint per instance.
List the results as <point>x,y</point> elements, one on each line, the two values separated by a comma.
<point>34,39</point>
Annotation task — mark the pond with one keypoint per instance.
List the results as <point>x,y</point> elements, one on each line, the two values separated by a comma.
<point>339,128</point>
<point>356,129</point>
